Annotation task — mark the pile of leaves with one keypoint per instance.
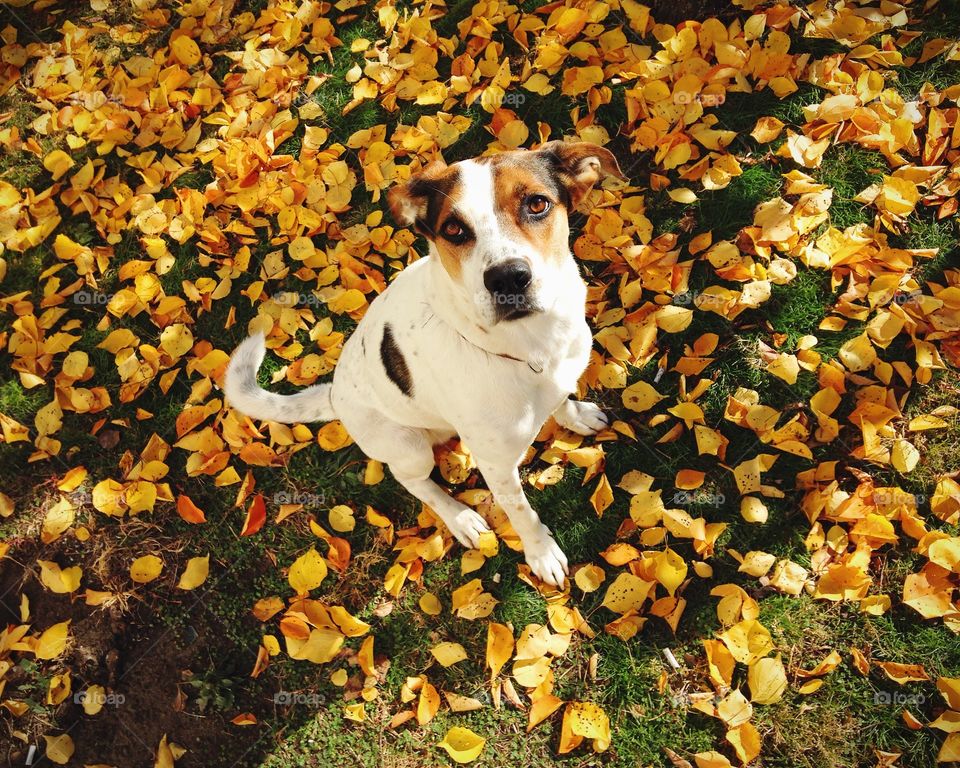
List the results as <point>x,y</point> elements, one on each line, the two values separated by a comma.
<point>211,182</point>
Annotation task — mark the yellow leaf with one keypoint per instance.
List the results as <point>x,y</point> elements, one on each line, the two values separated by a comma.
<point>307,572</point>
<point>746,742</point>
<point>167,753</point>
<point>876,605</point>
<point>903,673</point>
<point>342,519</point>
<point>145,569</point>
<point>196,572</point>
<point>53,641</point>
<point>589,721</point>
<point>589,578</point>
<point>59,748</point>
<point>950,749</point>
<point>57,580</point>
<point>904,456</point>
<point>430,604</point>
<point>93,699</point>
<point>757,563</point>
<point>673,319</point>
<point>59,688</point>
<point>711,760</point>
<point>734,709</point>
<point>319,647</point>
<point>627,592</point>
<point>640,397</point>
<point>858,354</point>
<point>682,195</point>
<point>427,704</point>
<point>602,496</point>
<point>448,654</point>
<point>811,686</point>
<point>767,680</point>
<point>670,570</point>
<point>333,436</point>
<point>365,657</point>
<point>58,163</point>
<point>767,129</point>
<point>748,641</point>
<point>185,50</point>
<point>499,647</point>
<point>829,663</point>
<point>753,510</point>
<point>56,521</point>
<point>176,340</point>
<point>949,688</point>
<point>462,744</point>
<point>355,712</point>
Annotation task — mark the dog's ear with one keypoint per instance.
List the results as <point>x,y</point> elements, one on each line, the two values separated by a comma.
<point>579,166</point>
<point>411,202</point>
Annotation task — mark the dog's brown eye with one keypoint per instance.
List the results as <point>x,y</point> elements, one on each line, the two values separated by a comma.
<point>453,230</point>
<point>537,205</point>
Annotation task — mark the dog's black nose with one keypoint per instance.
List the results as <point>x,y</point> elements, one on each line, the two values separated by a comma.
<point>509,277</point>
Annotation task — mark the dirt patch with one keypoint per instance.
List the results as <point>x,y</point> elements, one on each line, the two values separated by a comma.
<point>142,666</point>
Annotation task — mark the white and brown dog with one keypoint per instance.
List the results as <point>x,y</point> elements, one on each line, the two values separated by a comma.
<point>485,338</point>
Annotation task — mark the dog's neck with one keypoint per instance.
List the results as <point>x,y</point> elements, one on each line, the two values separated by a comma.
<point>535,340</point>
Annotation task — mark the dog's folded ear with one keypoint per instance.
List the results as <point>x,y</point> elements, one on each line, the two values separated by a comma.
<point>410,203</point>
<point>580,166</point>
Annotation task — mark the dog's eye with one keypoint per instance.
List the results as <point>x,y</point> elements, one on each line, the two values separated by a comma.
<point>454,231</point>
<point>537,205</point>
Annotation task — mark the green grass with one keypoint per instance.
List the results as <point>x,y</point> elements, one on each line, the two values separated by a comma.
<point>210,635</point>
<point>849,170</point>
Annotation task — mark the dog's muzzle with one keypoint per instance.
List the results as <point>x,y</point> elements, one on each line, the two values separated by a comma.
<point>509,283</point>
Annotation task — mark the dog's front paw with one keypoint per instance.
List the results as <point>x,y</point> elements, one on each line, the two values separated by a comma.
<point>466,528</point>
<point>583,418</point>
<point>545,558</point>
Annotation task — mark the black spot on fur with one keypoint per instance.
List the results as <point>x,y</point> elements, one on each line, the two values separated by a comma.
<point>394,363</point>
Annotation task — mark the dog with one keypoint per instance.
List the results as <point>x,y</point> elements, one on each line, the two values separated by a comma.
<point>485,337</point>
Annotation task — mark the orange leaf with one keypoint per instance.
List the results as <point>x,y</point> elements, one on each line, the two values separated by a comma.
<point>256,516</point>
<point>189,511</point>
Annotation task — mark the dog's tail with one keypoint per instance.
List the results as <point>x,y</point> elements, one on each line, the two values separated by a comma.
<point>244,394</point>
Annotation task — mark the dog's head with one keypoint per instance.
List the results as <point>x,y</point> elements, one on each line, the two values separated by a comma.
<point>499,224</point>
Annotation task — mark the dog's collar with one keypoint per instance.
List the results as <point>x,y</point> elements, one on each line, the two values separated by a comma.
<point>504,355</point>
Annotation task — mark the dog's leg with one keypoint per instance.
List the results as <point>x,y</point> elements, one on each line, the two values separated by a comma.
<point>409,454</point>
<point>580,417</point>
<point>465,524</point>
<point>542,553</point>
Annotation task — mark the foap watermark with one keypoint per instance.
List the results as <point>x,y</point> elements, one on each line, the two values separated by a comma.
<point>706,99</point>
<point>898,699</point>
<point>698,499</point>
<point>904,298</point>
<point>301,498</point>
<point>98,698</point>
<point>688,298</point>
<point>894,497</point>
<point>512,99</point>
<point>511,299</point>
<point>85,298</point>
<point>293,299</point>
<point>294,698</point>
